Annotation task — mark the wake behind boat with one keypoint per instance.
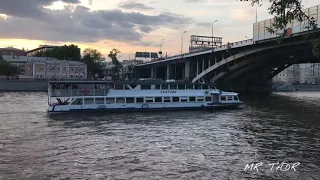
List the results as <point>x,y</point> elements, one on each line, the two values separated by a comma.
<point>75,96</point>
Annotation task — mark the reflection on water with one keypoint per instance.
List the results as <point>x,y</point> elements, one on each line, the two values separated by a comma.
<point>282,127</point>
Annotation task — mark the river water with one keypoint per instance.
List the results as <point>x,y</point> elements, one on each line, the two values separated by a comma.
<point>283,127</point>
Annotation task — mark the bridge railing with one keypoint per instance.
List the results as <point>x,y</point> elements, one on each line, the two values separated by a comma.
<point>221,47</point>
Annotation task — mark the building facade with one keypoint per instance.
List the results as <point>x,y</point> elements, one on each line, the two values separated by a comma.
<point>41,48</point>
<point>308,73</point>
<point>127,71</point>
<point>56,69</point>
<point>12,51</point>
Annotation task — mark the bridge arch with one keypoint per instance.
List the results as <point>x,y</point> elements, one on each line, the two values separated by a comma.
<point>237,57</point>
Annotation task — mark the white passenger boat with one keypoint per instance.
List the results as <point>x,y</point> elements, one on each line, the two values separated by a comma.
<point>70,96</point>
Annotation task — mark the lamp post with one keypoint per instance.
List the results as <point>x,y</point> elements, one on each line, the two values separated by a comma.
<point>161,47</point>
<point>212,33</point>
<point>182,41</point>
<point>257,12</point>
<point>145,52</point>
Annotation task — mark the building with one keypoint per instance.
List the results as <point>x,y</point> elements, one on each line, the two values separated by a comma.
<point>55,69</point>
<point>41,48</point>
<point>127,71</point>
<point>20,61</point>
<point>199,43</point>
<point>12,51</point>
<point>308,73</point>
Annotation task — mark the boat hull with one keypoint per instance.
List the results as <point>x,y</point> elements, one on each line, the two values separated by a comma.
<point>209,106</point>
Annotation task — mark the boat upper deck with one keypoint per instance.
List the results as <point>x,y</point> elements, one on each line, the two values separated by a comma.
<point>153,82</point>
<point>118,88</point>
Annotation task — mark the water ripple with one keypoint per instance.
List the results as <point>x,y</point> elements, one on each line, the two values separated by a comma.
<point>282,127</point>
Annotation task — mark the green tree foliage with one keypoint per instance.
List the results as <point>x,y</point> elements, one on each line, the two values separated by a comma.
<point>66,52</point>
<point>114,59</point>
<point>8,69</point>
<point>93,58</point>
<point>285,12</point>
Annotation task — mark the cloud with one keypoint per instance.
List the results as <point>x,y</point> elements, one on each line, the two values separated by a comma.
<point>134,5</point>
<point>79,23</point>
<point>194,1</point>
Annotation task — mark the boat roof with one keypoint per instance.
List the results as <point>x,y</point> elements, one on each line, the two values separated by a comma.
<point>152,82</point>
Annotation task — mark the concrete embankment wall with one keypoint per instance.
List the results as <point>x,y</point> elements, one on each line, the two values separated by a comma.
<point>300,87</point>
<point>21,85</point>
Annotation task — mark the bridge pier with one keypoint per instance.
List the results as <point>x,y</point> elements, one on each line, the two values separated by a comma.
<point>187,70</point>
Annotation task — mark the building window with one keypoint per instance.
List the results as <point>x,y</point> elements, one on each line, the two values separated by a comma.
<point>76,68</point>
<point>64,68</point>
<point>76,76</point>
<point>81,76</point>
<point>58,68</point>
<point>71,76</point>
<point>71,68</point>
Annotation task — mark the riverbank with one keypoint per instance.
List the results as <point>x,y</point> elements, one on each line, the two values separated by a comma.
<point>300,87</point>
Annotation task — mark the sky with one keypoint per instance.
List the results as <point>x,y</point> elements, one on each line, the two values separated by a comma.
<point>129,26</point>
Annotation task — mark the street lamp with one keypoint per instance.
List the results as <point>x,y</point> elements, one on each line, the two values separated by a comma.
<point>257,12</point>
<point>160,52</point>
<point>145,52</point>
<point>212,33</point>
<point>182,41</point>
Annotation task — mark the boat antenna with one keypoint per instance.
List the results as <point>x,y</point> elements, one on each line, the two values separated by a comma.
<point>231,87</point>
<point>214,85</point>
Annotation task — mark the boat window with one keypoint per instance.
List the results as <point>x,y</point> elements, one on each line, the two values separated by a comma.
<point>149,99</point>
<point>205,86</point>
<point>166,99</point>
<point>223,98</point>
<point>200,98</point>
<point>88,100</point>
<point>139,100</point>
<point>229,98</point>
<point>192,99</point>
<point>175,99</point>
<point>190,86</point>
<point>197,86</point>
<point>118,86</point>
<point>158,99</point>
<point>184,99</point>
<point>215,97</point>
<point>182,87</point>
<point>126,87</point>
<point>77,102</point>
<point>157,86</point>
<point>173,86</point>
<point>99,100</point>
<point>133,86</point>
<point>145,86</point>
<point>110,86</point>
<point>208,98</point>
<point>120,100</point>
<point>164,87</point>
<point>236,98</point>
<point>109,100</point>
<point>130,100</point>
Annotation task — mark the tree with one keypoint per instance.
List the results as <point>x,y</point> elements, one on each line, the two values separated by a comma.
<point>285,12</point>
<point>66,52</point>
<point>8,69</point>
<point>114,59</point>
<point>93,58</point>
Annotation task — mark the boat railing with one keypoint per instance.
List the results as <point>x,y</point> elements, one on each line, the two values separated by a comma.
<point>78,92</point>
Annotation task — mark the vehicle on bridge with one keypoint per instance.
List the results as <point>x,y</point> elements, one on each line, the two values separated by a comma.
<point>71,96</point>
